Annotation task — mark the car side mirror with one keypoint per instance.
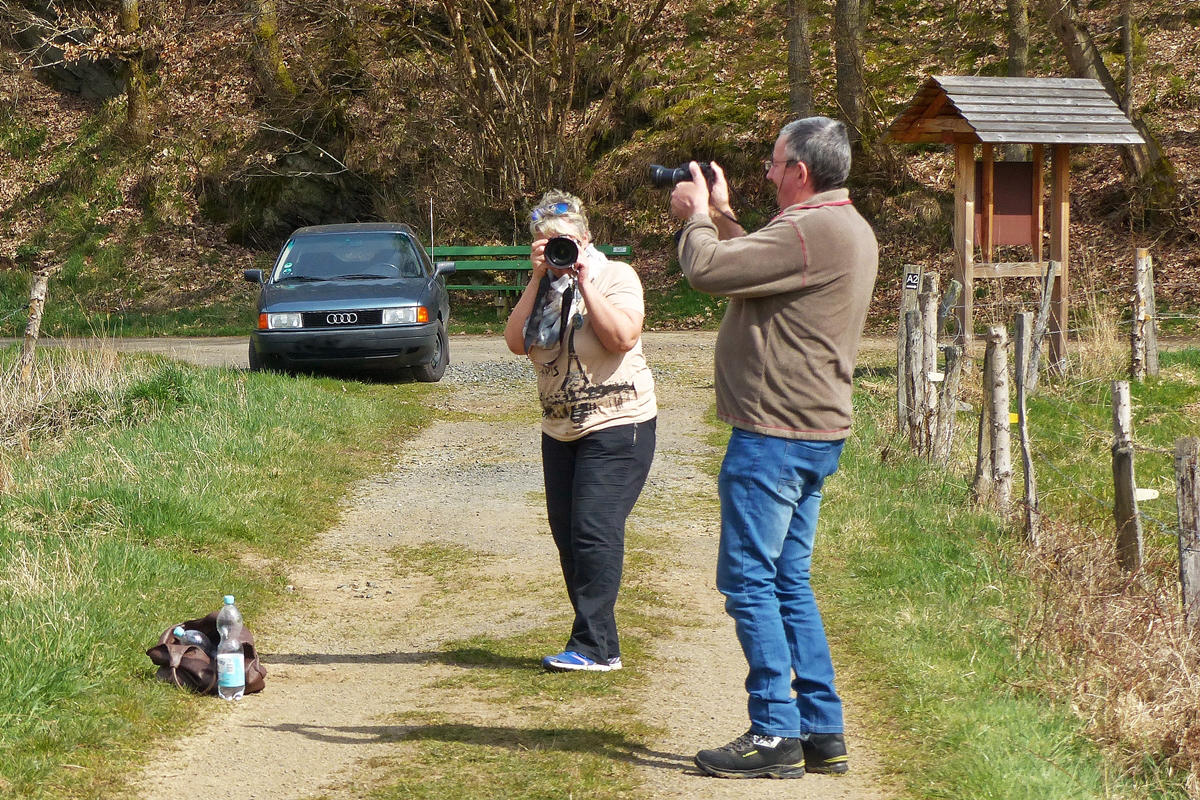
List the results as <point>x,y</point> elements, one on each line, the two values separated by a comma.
<point>253,275</point>
<point>444,268</point>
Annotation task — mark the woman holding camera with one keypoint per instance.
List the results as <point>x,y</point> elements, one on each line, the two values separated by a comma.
<point>580,322</point>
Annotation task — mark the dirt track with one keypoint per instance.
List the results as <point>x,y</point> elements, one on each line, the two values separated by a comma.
<point>358,648</point>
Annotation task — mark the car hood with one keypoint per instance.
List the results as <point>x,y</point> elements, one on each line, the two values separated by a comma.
<point>338,295</point>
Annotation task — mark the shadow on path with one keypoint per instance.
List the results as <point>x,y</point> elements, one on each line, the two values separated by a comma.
<point>466,657</point>
<point>615,746</point>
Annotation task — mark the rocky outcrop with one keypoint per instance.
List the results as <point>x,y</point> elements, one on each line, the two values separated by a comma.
<point>33,31</point>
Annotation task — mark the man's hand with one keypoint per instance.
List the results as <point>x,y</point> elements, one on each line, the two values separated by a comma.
<point>691,197</point>
<point>718,196</point>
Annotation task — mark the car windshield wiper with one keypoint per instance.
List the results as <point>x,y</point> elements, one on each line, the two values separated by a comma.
<point>359,276</point>
<point>301,278</point>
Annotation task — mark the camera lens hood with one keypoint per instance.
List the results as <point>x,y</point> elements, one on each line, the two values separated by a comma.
<point>562,252</point>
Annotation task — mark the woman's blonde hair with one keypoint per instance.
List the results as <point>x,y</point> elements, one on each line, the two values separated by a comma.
<point>544,219</point>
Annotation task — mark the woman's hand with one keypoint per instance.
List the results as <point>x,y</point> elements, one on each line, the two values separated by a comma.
<point>537,261</point>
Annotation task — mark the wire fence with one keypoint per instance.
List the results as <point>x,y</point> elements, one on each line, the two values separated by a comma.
<point>1067,429</point>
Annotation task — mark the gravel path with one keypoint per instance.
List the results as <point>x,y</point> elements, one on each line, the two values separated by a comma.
<point>358,648</point>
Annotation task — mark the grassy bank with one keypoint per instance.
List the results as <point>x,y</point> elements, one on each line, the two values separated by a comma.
<point>958,629</point>
<point>155,492</point>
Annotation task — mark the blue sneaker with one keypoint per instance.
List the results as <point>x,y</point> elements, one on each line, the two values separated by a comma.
<point>570,661</point>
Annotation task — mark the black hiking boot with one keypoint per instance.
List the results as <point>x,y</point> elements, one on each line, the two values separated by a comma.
<point>826,753</point>
<point>754,756</point>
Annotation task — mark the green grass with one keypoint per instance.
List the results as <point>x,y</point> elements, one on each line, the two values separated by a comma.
<point>683,304</point>
<point>206,479</point>
<point>926,601</point>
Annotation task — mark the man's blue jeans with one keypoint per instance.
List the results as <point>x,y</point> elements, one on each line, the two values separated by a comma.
<point>770,491</point>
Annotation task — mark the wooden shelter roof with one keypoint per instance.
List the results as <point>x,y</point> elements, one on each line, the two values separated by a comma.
<point>953,109</point>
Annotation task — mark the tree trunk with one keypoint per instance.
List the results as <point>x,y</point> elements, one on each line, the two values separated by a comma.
<point>1018,57</point>
<point>1127,51</point>
<point>1147,161</point>
<point>272,69</point>
<point>799,60</point>
<point>1018,38</point>
<point>137,109</point>
<point>847,32</point>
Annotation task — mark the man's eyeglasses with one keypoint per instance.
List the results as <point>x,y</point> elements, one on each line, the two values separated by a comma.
<point>768,163</point>
<point>556,210</point>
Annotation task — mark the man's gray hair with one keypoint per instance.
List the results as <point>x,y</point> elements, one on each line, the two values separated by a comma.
<point>822,144</point>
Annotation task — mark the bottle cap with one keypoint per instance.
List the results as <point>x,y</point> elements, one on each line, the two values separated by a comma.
<point>228,599</point>
<point>178,631</point>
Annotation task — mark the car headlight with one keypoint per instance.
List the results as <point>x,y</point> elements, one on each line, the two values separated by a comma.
<point>405,316</point>
<point>273,322</point>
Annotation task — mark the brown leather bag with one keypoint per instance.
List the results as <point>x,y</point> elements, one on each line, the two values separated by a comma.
<point>189,667</point>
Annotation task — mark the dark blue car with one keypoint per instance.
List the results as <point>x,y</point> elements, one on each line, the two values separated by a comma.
<point>362,296</point>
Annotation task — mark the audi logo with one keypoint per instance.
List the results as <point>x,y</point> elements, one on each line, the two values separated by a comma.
<point>342,319</point>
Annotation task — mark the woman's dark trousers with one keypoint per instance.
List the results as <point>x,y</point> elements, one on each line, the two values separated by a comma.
<point>591,486</point>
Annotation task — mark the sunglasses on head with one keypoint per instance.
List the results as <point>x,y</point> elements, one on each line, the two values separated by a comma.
<point>556,209</point>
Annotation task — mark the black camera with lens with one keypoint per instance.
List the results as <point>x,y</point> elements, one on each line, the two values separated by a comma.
<point>561,252</point>
<point>665,176</point>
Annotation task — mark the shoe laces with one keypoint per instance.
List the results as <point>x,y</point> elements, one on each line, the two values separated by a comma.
<point>749,741</point>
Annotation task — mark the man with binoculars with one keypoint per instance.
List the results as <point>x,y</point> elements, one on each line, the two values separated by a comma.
<point>798,292</point>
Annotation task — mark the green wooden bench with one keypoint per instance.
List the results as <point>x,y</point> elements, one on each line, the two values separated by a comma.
<point>500,269</point>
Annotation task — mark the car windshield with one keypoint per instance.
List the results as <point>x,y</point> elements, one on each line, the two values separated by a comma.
<point>375,255</point>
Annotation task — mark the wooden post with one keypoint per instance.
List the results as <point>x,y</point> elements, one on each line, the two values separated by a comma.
<point>37,304</point>
<point>1039,328</point>
<point>949,302</point>
<point>1060,243</point>
<point>1187,498</point>
<point>987,204</point>
<point>1001,430</point>
<point>1144,267</point>
<point>948,405</point>
<point>1038,223</point>
<point>917,384</point>
<point>1137,330</point>
<point>908,302</point>
<point>1125,510</point>
<point>929,354</point>
<point>981,486</point>
<point>964,237</point>
<point>1022,344</point>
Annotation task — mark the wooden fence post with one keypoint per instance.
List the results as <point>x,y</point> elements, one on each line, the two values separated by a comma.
<point>908,302</point>
<point>948,405</point>
<point>1001,426</point>
<point>1137,330</point>
<point>949,300</point>
<point>1125,510</point>
<point>1187,497</point>
<point>1039,327</point>
<point>37,304</point>
<point>928,302</point>
<point>917,384</point>
<point>1144,331</point>
<point>981,486</point>
<point>1022,339</point>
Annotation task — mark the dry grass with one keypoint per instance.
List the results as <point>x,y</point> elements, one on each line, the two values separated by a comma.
<point>1123,638</point>
<point>70,386</point>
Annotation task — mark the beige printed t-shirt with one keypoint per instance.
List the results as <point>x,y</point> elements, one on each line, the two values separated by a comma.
<point>586,387</point>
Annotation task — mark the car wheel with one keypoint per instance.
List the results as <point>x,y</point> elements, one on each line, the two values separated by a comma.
<point>433,371</point>
<point>256,364</point>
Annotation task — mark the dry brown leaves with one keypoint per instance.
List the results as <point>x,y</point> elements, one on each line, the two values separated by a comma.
<point>1135,664</point>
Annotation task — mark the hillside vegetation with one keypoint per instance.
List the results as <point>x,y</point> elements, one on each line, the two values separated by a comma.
<point>387,110</point>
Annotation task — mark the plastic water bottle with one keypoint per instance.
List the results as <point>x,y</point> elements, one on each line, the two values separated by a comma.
<point>231,662</point>
<point>195,637</point>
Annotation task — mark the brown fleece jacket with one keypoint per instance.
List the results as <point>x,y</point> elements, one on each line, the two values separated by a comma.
<point>799,290</point>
